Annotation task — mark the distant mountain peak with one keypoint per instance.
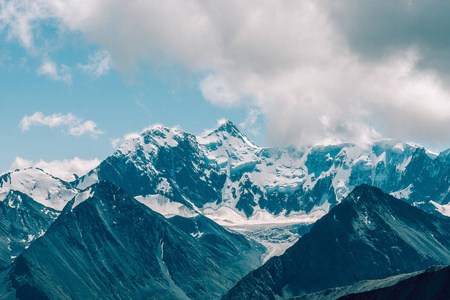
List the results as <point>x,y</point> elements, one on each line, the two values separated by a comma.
<point>228,126</point>
<point>42,187</point>
<point>227,130</point>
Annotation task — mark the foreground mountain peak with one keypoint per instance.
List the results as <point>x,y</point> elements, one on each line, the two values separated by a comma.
<point>369,235</point>
<point>112,246</point>
<point>102,190</point>
<point>365,193</point>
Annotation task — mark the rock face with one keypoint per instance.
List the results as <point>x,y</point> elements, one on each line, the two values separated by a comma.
<point>22,220</point>
<point>369,235</point>
<point>107,245</point>
<point>431,284</point>
<point>226,177</point>
<point>360,288</point>
<point>230,247</point>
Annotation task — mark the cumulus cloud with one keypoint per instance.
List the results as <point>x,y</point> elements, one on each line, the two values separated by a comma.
<point>99,64</point>
<point>49,68</point>
<point>317,70</point>
<point>375,29</point>
<point>69,123</point>
<point>63,169</point>
<point>217,90</point>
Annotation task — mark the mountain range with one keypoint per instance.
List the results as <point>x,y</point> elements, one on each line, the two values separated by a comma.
<point>369,235</point>
<point>107,245</point>
<point>171,215</point>
<point>431,283</point>
<point>223,175</point>
<point>226,177</point>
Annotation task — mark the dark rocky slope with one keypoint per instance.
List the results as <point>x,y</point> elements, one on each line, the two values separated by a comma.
<point>106,245</point>
<point>430,285</point>
<point>22,220</point>
<point>370,235</point>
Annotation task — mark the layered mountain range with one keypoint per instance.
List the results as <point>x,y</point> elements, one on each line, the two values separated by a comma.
<point>107,245</point>
<point>160,218</point>
<point>222,175</point>
<point>369,235</point>
<point>225,176</point>
<point>22,221</point>
<point>431,283</point>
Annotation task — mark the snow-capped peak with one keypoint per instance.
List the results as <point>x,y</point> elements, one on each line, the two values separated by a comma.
<point>227,132</point>
<point>153,138</point>
<point>40,186</point>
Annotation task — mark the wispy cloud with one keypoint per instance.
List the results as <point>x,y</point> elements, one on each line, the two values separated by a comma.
<point>98,65</point>
<point>250,121</point>
<point>64,169</point>
<point>115,143</point>
<point>143,107</point>
<point>20,17</point>
<point>50,69</point>
<point>68,123</point>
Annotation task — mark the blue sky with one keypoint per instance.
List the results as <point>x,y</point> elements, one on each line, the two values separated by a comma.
<point>118,103</point>
<point>77,75</point>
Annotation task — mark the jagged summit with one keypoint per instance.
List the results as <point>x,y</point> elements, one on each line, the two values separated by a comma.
<point>228,126</point>
<point>223,171</point>
<point>365,193</point>
<point>104,189</point>
<point>226,133</point>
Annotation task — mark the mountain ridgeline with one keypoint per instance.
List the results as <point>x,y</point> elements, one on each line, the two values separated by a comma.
<point>22,220</point>
<point>107,245</point>
<point>429,285</point>
<point>369,235</point>
<point>224,172</point>
<point>154,220</point>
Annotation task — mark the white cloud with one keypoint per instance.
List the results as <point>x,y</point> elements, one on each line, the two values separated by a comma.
<point>115,143</point>
<point>49,68</point>
<point>216,90</point>
<point>99,64</point>
<point>250,121</point>
<point>69,123</point>
<point>21,163</point>
<point>290,59</point>
<point>21,17</point>
<point>64,169</point>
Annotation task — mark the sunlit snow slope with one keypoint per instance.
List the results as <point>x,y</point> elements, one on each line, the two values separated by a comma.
<point>226,177</point>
